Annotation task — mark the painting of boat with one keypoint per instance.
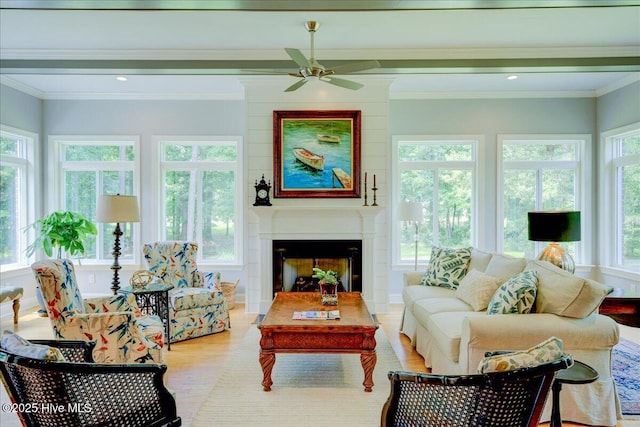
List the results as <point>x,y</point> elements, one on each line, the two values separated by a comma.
<point>323,137</point>
<point>308,158</point>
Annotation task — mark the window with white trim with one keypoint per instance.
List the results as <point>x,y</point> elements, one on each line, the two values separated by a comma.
<point>17,179</point>
<point>538,172</point>
<point>440,173</point>
<point>89,166</point>
<point>621,225</point>
<point>201,195</point>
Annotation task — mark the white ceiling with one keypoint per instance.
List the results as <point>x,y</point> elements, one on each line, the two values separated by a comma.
<point>202,54</point>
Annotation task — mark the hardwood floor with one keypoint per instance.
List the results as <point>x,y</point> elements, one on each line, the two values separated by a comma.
<point>194,366</point>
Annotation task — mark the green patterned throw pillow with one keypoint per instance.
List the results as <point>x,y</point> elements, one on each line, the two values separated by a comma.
<point>516,295</point>
<point>447,267</point>
<point>545,352</point>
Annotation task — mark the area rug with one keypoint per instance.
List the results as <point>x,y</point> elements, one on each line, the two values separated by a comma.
<point>307,390</point>
<point>626,374</point>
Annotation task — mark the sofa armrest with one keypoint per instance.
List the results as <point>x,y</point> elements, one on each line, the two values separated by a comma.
<point>412,278</point>
<point>482,334</point>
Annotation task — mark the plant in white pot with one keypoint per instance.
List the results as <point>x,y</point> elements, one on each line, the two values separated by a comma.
<point>66,233</point>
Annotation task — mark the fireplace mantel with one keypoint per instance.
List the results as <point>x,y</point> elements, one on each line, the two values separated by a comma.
<point>314,223</point>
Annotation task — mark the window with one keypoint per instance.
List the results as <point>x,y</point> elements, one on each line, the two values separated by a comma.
<point>620,234</point>
<point>201,195</point>
<point>17,195</point>
<point>88,167</point>
<point>538,173</point>
<point>440,173</point>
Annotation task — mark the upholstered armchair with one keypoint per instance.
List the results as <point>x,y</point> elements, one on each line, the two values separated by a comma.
<point>196,304</point>
<point>121,333</point>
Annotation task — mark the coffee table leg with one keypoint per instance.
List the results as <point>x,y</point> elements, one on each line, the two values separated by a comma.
<point>368,361</point>
<point>267,360</point>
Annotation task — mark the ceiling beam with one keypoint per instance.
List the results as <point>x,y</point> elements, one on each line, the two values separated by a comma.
<point>300,5</point>
<point>258,67</point>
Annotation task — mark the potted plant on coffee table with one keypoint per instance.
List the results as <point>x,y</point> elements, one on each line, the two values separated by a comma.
<point>65,232</point>
<point>328,281</point>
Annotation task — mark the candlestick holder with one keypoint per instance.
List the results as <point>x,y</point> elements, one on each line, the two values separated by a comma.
<point>366,203</point>
<point>375,202</point>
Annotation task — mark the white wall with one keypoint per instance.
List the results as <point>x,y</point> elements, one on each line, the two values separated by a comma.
<point>262,99</point>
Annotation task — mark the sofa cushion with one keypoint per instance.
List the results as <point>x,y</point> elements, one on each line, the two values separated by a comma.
<point>563,293</point>
<point>516,295</point>
<point>426,308</point>
<point>411,294</point>
<point>479,260</point>
<point>447,266</point>
<point>446,330</point>
<point>503,266</point>
<point>186,298</point>
<point>14,343</point>
<point>477,288</point>
<point>545,352</point>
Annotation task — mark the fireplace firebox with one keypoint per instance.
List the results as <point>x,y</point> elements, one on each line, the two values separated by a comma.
<point>294,260</point>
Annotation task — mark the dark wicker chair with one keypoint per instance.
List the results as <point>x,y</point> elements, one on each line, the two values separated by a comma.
<point>505,399</point>
<point>78,392</point>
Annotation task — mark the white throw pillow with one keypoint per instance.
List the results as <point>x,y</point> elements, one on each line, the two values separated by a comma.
<point>565,294</point>
<point>503,266</point>
<point>477,288</point>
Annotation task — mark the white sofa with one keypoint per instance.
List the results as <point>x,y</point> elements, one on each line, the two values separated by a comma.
<point>453,337</point>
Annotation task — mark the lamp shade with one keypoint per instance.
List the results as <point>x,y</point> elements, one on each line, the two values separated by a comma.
<point>554,226</point>
<point>410,211</point>
<point>117,208</point>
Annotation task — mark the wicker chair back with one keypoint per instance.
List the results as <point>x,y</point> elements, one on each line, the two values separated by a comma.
<point>514,398</point>
<point>81,393</point>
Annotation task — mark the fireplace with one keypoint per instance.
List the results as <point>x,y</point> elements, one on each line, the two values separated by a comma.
<point>294,260</point>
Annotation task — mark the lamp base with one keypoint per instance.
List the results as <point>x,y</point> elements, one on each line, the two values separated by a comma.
<point>556,255</point>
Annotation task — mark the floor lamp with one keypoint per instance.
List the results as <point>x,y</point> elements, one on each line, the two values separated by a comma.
<point>116,209</point>
<point>412,212</point>
<point>554,227</point>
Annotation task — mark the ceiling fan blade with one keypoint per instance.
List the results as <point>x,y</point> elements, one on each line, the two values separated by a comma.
<point>298,57</point>
<point>347,84</point>
<point>296,85</point>
<point>354,67</point>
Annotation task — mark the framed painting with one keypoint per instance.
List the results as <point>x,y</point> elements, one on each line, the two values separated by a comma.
<point>316,154</point>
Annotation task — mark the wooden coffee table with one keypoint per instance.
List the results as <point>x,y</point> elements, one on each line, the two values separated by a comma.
<point>354,332</point>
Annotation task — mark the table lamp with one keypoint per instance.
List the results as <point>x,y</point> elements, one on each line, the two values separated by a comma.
<point>554,227</point>
<point>412,212</point>
<point>117,208</point>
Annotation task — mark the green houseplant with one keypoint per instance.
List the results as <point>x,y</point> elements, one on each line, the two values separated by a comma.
<point>64,231</point>
<point>328,281</point>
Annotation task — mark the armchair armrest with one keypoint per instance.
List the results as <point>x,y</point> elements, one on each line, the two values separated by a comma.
<point>211,281</point>
<point>412,278</point>
<point>113,303</point>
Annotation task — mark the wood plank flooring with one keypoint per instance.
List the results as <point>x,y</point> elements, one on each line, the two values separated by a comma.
<point>195,365</point>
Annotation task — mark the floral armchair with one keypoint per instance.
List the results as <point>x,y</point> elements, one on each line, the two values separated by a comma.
<point>121,333</point>
<point>196,304</point>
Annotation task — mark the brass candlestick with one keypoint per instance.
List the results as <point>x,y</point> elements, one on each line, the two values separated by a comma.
<point>365,195</point>
<point>375,202</point>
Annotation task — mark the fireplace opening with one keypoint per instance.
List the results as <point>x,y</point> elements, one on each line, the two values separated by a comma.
<point>294,260</point>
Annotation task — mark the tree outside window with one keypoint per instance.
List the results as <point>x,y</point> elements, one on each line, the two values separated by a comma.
<point>440,174</point>
<point>199,195</point>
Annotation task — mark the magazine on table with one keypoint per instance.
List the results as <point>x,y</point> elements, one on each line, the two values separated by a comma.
<point>316,315</point>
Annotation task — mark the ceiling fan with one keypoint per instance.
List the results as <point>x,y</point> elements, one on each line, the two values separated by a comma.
<point>311,69</point>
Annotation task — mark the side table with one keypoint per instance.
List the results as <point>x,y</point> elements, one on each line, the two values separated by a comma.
<point>579,373</point>
<point>153,299</point>
<point>622,306</point>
